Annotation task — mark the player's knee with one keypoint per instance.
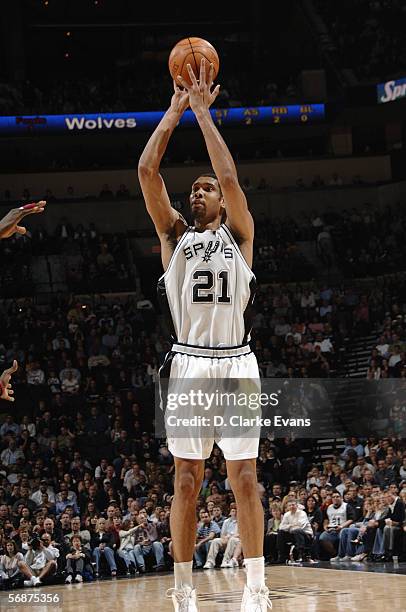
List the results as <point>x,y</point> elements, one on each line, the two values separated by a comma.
<point>187,485</point>
<point>244,481</point>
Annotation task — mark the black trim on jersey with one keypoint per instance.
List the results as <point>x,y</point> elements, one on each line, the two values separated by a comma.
<point>164,305</point>
<point>213,348</point>
<point>235,244</point>
<point>164,375</point>
<point>210,356</point>
<point>249,310</point>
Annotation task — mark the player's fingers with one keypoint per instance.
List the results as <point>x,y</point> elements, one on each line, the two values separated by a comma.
<point>192,76</point>
<point>183,83</point>
<point>10,391</point>
<point>12,369</point>
<point>215,93</point>
<point>9,399</point>
<point>211,75</point>
<point>202,77</point>
<point>21,230</point>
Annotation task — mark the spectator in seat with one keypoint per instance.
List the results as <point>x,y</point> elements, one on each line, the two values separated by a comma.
<point>40,561</point>
<point>83,534</point>
<point>12,564</point>
<point>392,524</point>
<point>384,476</point>
<point>102,544</point>
<point>76,559</point>
<point>270,540</point>
<point>127,532</point>
<point>229,529</point>
<point>295,527</point>
<point>206,531</point>
<point>339,516</point>
<point>148,544</point>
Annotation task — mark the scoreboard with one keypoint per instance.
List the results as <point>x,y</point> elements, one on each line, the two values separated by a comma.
<point>25,125</point>
<point>268,115</point>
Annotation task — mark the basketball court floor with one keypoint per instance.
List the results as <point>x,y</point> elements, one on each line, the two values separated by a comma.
<point>307,589</point>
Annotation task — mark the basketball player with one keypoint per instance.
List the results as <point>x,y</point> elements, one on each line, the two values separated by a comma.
<point>208,284</point>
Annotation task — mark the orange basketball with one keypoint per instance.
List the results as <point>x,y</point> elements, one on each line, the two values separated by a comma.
<point>191,51</point>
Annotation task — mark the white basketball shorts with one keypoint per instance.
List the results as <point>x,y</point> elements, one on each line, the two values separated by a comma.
<point>187,362</point>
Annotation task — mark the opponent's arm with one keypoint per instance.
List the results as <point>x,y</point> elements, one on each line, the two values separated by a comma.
<point>153,187</point>
<point>9,223</point>
<point>239,218</point>
<point>6,391</point>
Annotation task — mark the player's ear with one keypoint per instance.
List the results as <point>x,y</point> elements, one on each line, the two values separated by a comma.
<point>223,212</point>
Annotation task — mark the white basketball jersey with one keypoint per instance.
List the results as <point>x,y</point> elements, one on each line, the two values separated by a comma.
<point>208,289</point>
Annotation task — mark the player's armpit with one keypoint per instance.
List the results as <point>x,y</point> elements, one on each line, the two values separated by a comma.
<point>239,218</point>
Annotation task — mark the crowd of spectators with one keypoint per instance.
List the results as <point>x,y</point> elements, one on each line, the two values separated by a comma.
<point>369,36</point>
<point>86,260</point>
<point>130,92</point>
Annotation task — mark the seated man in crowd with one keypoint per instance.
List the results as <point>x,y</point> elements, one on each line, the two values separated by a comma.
<point>339,516</point>
<point>295,528</point>
<point>229,530</point>
<point>76,559</point>
<point>148,544</point>
<point>206,531</point>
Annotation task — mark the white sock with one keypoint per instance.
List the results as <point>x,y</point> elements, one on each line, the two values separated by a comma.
<point>255,572</point>
<point>183,574</point>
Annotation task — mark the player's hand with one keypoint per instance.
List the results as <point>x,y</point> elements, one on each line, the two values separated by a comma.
<point>200,95</point>
<point>9,223</point>
<point>6,388</point>
<point>180,99</point>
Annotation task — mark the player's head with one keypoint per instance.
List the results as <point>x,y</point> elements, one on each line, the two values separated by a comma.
<point>206,199</point>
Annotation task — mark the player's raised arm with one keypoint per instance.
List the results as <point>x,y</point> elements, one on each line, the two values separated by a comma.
<point>152,184</point>
<point>200,98</point>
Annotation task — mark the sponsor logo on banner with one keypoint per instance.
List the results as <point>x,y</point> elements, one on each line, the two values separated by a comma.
<point>391,91</point>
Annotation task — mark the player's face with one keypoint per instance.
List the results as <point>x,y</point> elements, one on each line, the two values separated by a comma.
<point>206,200</point>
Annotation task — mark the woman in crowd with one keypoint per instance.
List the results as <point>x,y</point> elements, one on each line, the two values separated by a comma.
<point>315,517</point>
<point>12,564</point>
<point>270,547</point>
<point>102,545</point>
<point>370,538</point>
<point>126,532</point>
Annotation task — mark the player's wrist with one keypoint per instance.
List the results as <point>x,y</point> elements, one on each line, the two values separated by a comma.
<point>202,113</point>
<point>174,114</point>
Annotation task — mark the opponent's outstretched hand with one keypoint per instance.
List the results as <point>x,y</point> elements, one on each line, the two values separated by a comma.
<point>180,100</point>
<point>6,391</point>
<point>200,95</point>
<point>9,223</point>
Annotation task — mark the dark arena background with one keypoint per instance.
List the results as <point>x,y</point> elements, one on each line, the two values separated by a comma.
<point>312,105</point>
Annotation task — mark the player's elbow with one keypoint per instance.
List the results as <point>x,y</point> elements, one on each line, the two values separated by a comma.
<point>144,172</point>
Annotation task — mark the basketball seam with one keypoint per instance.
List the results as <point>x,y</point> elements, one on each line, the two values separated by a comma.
<point>194,59</point>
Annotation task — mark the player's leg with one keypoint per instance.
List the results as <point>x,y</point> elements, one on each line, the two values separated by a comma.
<point>242,476</point>
<point>188,482</point>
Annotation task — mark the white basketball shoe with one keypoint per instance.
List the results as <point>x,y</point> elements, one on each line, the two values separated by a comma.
<point>184,599</point>
<point>256,600</point>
